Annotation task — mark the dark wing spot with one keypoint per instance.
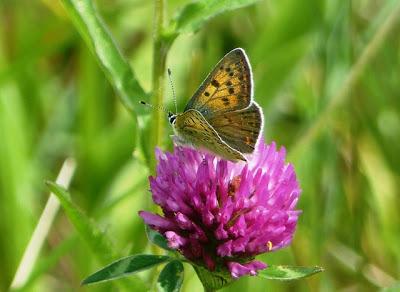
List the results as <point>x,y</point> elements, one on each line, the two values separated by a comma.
<point>229,83</point>
<point>240,77</point>
<point>228,69</point>
<point>206,93</point>
<point>231,90</point>
<point>225,99</point>
<point>215,83</point>
<point>231,74</point>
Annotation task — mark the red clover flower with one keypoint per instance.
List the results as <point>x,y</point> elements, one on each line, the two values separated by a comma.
<point>219,214</point>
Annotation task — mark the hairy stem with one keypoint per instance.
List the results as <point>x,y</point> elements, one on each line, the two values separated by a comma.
<point>160,50</point>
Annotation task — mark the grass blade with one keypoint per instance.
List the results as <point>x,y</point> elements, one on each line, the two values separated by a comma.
<point>195,14</point>
<point>366,57</point>
<point>42,229</point>
<point>96,240</point>
<point>100,41</point>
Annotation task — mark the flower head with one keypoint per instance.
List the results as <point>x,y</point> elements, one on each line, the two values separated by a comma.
<point>221,214</point>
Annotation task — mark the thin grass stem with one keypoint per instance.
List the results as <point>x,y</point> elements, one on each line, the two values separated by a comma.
<point>42,229</point>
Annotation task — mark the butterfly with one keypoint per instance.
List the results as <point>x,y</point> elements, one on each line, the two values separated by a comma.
<point>222,117</point>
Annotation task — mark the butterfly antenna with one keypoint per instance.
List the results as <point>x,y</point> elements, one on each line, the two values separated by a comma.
<point>159,107</point>
<point>172,87</point>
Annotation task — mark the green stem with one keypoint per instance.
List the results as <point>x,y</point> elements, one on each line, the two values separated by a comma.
<point>160,51</point>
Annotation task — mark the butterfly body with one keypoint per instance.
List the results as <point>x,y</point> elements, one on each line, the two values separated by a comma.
<point>222,117</point>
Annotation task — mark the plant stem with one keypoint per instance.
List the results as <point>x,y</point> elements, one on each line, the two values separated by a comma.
<point>160,50</point>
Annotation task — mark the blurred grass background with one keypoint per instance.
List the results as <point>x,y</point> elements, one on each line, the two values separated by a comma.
<point>341,135</point>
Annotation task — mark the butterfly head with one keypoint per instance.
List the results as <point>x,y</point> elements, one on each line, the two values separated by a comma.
<point>171,118</point>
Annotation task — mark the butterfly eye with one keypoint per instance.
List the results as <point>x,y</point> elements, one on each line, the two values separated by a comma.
<point>172,119</point>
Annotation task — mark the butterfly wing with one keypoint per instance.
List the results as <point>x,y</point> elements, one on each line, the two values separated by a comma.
<point>192,128</point>
<point>239,129</point>
<point>227,88</point>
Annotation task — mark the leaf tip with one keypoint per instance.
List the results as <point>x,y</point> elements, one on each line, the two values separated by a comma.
<point>86,282</point>
<point>319,269</point>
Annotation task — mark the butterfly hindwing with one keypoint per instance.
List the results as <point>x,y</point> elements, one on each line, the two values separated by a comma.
<point>192,128</point>
<point>239,129</point>
<point>227,88</point>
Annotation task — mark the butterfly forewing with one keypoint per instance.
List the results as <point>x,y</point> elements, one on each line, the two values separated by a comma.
<point>239,129</point>
<point>227,88</point>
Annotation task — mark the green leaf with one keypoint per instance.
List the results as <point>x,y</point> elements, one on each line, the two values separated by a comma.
<point>157,238</point>
<point>125,266</point>
<point>213,280</point>
<point>97,241</point>
<point>286,273</point>
<point>100,41</point>
<point>171,277</point>
<point>195,14</point>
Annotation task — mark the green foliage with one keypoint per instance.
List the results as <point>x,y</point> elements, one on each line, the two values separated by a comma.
<point>125,266</point>
<point>98,242</point>
<point>286,273</point>
<point>326,74</point>
<point>193,15</point>
<point>171,277</point>
<point>157,238</point>
<point>106,51</point>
